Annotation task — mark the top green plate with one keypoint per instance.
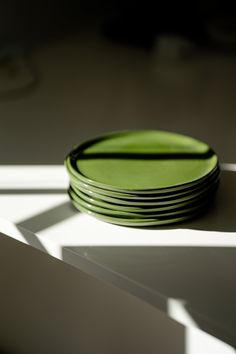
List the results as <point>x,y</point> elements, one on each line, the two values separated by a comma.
<point>141,161</point>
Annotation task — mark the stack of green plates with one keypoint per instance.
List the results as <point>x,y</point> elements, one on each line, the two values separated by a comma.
<point>142,178</point>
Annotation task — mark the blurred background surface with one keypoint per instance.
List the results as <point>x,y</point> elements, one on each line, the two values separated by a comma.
<point>73,70</point>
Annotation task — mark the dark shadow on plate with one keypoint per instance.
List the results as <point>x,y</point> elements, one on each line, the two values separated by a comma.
<point>145,156</point>
<point>220,216</point>
<point>49,217</point>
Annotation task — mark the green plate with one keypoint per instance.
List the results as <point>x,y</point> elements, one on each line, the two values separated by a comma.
<point>167,193</point>
<point>143,206</point>
<point>146,200</point>
<point>184,208</point>
<point>141,161</point>
<point>139,222</point>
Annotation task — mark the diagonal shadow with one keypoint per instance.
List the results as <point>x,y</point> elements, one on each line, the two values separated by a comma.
<point>49,217</point>
<point>202,276</point>
<point>31,239</point>
<point>220,216</point>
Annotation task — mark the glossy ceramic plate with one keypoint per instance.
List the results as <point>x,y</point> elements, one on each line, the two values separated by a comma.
<point>141,161</point>
<point>181,209</point>
<point>145,201</point>
<point>142,178</point>
<point>138,222</point>
<point>146,207</point>
<point>160,194</point>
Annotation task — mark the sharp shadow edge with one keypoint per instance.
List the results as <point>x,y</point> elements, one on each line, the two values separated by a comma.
<point>177,278</point>
<point>31,239</point>
<point>49,217</point>
<point>228,335</point>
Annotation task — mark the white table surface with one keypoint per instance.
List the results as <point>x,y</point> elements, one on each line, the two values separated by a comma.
<point>187,271</point>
